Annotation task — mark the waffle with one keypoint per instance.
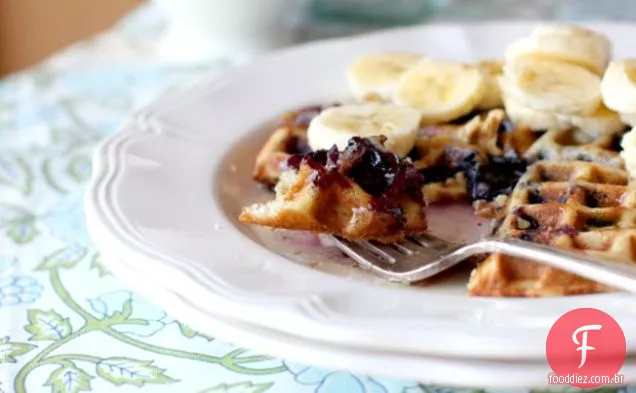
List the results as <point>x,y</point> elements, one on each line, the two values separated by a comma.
<point>446,154</point>
<point>565,145</point>
<point>339,193</point>
<point>289,137</point>
<point>577,205</point>
<point>571,144</point>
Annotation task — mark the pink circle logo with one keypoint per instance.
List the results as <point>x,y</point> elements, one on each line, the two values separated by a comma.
<point>586,348</point>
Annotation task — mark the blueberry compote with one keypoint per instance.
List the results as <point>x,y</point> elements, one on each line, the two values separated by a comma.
<point>496,177</point>
<point>380,173</point>
<point>486,177</point>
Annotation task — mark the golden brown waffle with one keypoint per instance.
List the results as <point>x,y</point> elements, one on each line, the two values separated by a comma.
<point>576,205</point>
<point>486,134</point>
<point>289,137</point>
<point>566,145</point>
<point>573,144</point>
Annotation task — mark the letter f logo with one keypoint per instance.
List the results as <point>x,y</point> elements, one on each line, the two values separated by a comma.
<point>583,344</point>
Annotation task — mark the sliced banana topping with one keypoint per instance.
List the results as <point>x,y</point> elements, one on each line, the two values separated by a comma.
<point>603,122</point>
<point>551,86</point>
<point>556,77</point>
<point>441,90</point>
<point>373,77</point>
<point>566,29</point>
<point>629,119</point>
<point>619,86</point>
<point>569,44</point>
<point>629,152</point>
<point>491,70</point>
<point>335,126</point>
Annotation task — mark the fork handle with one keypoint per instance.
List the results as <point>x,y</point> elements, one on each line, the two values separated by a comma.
<point>613,274</point>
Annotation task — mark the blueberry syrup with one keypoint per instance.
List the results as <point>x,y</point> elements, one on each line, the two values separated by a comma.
<point>496,177</point>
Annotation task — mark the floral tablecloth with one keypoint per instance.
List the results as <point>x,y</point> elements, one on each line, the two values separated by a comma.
<point>66,324</point>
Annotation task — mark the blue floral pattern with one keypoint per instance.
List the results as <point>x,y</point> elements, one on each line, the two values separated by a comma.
<point>326,381</point>
<point>66,219</point>
<point>137,308</point>
<point>7,263</point>
<point>19,290</point>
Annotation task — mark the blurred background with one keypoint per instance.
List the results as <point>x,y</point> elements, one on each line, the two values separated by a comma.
<point>31,30</point>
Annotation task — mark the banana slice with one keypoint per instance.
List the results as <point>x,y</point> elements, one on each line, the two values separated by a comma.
<point>628,118</point>
<point>564,43</point>
<point>629,152</point>
<point>335,126</point>
<point>527,117</point>
<point>551,86</point>
<point>373,77</point>
<point>441,90</point>
<point>603,122</point>
<point>491,70</point>
<point>603,42</point>
<point>619,86</point>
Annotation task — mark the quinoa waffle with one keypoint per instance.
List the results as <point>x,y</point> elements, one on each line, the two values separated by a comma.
<point>572,144</point>
<point>576,205</point>
<point>565,145</point>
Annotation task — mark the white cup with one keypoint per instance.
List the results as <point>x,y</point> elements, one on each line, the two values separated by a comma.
<point>200,30</point>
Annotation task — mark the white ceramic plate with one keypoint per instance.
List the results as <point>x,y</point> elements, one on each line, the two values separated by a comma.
<point>457,372</point>
<point>167,189</point>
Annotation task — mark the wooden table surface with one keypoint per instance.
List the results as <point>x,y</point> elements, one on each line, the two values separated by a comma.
<point>30,30</point>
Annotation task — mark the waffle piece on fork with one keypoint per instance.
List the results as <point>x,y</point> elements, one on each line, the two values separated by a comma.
<point>364,192</point>
<point>576,205</point>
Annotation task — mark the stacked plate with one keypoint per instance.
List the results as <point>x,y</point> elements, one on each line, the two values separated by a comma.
<point>167,189</point>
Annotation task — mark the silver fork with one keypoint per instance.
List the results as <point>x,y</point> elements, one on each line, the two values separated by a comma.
<point>425,256</point>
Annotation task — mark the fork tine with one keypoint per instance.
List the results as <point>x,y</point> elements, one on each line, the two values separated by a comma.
<point>378,249</point>
<point>426,240</point>
<point>395,250</point>
<point>401,262</point>
<point>402,248</point>
<point>361,254</point>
